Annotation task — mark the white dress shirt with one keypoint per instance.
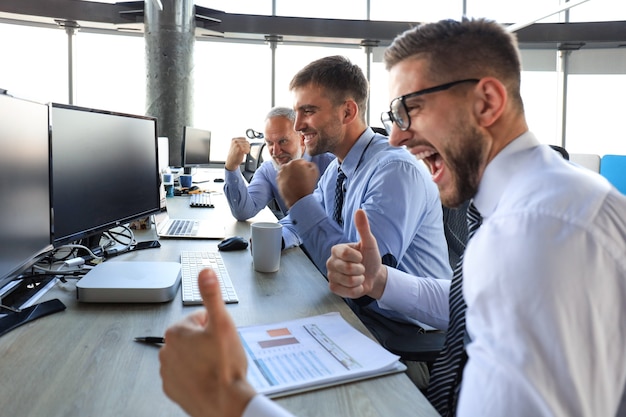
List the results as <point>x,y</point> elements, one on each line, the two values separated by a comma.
<point>544,280</point>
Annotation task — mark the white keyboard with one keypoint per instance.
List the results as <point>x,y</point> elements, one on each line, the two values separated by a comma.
<point>193,262</point>
<point>200,200</point>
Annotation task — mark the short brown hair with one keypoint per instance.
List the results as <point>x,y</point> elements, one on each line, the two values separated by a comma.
<point>340,78</point>
<point>455,50</point>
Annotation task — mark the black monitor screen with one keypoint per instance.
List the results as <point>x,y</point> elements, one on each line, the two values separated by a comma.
<point>196,147</point>
<point>24,185</point>
<point>104,170</point>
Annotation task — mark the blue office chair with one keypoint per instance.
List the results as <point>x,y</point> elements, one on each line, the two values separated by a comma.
<point>613,168</point>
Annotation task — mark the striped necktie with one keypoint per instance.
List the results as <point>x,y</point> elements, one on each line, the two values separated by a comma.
<point>445,379</point>
<point>339,196</point>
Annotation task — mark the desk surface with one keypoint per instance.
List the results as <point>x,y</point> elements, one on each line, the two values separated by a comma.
<point>84,362</point>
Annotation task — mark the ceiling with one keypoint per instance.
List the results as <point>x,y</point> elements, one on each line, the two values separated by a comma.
<point>127,17</point>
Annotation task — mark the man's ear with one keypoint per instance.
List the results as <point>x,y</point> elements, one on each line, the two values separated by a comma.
<point>492,99</point>
<point>350,111</point>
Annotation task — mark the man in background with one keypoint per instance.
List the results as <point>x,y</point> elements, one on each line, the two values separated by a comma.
<point>284,145</point>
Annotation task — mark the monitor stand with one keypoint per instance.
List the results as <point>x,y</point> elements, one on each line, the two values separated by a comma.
<point>15,319</point>
<point>12,315</point>
<point>27,291</point>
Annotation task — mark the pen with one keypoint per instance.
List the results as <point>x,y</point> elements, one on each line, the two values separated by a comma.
<point>150,339</point>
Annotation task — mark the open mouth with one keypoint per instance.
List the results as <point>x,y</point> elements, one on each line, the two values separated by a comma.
<point>434,162</point>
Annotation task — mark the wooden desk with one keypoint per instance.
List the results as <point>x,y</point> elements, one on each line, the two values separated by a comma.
<point>84,362</point>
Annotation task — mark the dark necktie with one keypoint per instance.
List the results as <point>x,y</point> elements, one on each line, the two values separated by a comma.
<point>341,177</point>
<point>445,379</point>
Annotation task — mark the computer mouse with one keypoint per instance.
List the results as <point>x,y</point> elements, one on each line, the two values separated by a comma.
<point>193,188</point>
<point>233,243</point>
<point>218,180</point>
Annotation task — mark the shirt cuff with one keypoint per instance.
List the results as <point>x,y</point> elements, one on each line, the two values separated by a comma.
<point>261,406</point>
<point>232,176</point>
<point>306,214</point>
<point>395,288</point>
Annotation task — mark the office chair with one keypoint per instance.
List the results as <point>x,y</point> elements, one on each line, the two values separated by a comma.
<point>561,150</point>
<point>425,347</point>
<point>254,159</point>
<point>613,168</point>
<point>380,130</point>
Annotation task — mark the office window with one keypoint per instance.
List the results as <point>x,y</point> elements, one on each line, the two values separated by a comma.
<point>232,90</point>
<point>326,9</point>
<point>416,10</point>
<point>599,11</point>
<point>595,114</point>
<point>513,12</point>
<point>260,7</point>
<point>34,62</point>
<point>110,72</point>
<point>379,92</point>
<point>540,93</point>
<point>595,101</point>
<point>291,58</point>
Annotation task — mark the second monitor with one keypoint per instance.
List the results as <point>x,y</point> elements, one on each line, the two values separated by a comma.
<point>104,170</point>
<point>196,148</point>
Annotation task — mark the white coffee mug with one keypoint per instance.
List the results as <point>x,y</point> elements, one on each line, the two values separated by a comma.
<point>266,246</point>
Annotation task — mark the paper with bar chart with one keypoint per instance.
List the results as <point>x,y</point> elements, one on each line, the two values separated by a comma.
<point>310,353</point>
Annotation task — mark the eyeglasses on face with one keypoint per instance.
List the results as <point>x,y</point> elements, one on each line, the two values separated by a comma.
<point>399,112</point>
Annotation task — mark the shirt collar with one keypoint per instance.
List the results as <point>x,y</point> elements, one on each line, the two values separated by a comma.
<point>355,154</point>
<point>496,175</point>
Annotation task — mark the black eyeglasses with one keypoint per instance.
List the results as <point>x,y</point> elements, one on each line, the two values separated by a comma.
<point>399,112</point>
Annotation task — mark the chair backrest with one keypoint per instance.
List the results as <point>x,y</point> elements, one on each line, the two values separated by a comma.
<point>561,150</point>
<point>254,159</point>
<point>613,168</point>
<point>587,160</point>
<point>455,229</point>
<point>380,130</point>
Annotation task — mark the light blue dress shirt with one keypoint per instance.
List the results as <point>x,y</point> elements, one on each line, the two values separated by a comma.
<point>401,201</point>
<point>246,200</point>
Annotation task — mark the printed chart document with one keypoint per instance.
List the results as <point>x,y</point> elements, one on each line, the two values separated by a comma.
<point>310,353</point>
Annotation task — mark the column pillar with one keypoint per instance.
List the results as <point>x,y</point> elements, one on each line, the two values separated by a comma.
<point>170,38</point>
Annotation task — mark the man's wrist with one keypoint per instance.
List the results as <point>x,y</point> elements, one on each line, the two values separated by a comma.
<point>242,396</point>
<point>380,281</point>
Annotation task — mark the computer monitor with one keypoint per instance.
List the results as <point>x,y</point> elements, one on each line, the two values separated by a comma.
<point>24,185</point>
<point>104,171</point>
<point>196,148</point>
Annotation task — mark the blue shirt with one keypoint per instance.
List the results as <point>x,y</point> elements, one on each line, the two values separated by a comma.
<point>246,200</point>
<point>401,201</point>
